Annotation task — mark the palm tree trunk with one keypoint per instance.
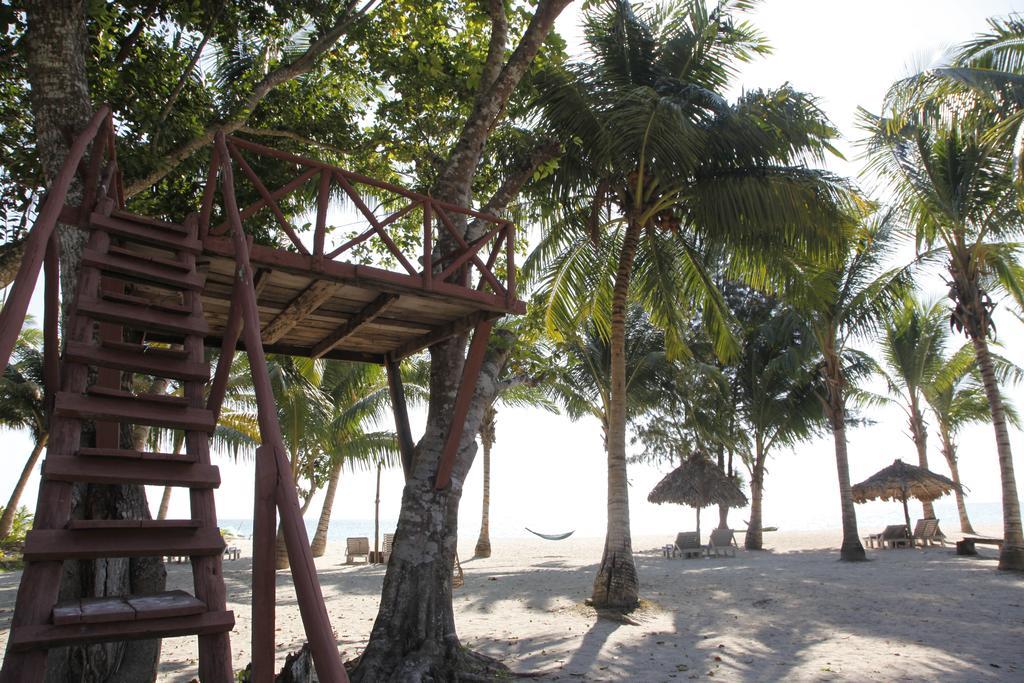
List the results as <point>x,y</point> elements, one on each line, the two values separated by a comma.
<point>376,518</point>
<point>723,510</point>
<point>616,584</point>
<point>7,521</point>
<point>949,451</point>
<point>1012,554</point>
<point>487,436</point>
<point>920,434</point>
<point>754,536</point>
<point>852,550</point>
<point>319,543</point>
<point>165,503</point>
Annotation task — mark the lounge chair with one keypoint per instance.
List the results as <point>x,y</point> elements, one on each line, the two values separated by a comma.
<point>688,544</point>
<point>927,533</point>
<point>357,547</point>
<point>895,536</point>
<point>232,552</point>
<point>389,540</point>
<point>722,542</point>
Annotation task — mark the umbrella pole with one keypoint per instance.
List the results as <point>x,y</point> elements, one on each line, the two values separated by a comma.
<point>698,525</point>
<point>906,513</point>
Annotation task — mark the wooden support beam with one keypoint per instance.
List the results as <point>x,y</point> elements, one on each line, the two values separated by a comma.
<point>441,333</point>
<point>302,306</point>
<point>264,532</point>
<point>371,311</point>
<point>467,387</point>
<point>398,405</point>
<point>232,331</point>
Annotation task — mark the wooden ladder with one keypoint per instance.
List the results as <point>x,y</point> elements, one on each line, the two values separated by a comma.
<point>159,258</point>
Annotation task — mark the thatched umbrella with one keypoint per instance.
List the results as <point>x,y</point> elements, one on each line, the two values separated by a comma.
<point>698,483</point>
<point>900,481</point>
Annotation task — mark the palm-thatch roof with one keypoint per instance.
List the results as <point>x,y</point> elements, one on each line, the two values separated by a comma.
<point>900,481</point>
<point>698,483</point>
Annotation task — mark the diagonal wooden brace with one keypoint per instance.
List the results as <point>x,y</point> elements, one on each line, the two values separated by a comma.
<point>467,387</point>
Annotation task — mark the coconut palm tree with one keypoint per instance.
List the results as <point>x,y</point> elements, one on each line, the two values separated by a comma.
<point>844,299</point>
<point>913,345</point>
<point>359,399</point>
<point>777,398</point>
<point>956,396</point>
<point>23,406</point>
<point>657,167</point>
<point>954,182</point>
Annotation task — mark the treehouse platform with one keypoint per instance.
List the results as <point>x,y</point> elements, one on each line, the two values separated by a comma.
<point>152,295</point>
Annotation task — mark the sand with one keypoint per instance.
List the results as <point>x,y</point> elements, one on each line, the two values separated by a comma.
<point>791,613</point>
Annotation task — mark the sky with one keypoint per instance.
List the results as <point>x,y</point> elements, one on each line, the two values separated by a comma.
<point>549,473</point>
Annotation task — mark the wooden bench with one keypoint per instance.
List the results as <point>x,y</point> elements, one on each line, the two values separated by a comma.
<point>966,545</point>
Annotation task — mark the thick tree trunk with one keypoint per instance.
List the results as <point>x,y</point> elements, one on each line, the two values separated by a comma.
<point>319,543</point>
<point>949,451</point>
<point>487,437</point>
<point>1012,554</point>
<point>165,502</point>
<point>616,584</point>
<point>11,254</point>
<point>7,520</point>
<point>919,431</point>
<point>414,637</point>
<point>754,537</point>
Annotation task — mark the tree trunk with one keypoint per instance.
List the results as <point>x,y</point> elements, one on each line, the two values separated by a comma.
<point>319,544</point>
<point>1012,554</point>
<point>754,536</point>
<point>414,636</point>
<point>949,451</point>
<point>165,502</point>
<point>723,510</point>
<point>487,437</point>
<point>376,517</point>
<point>616,584</point>
<point>11,254</point>
<point>852,550</point>
<point>7,520</point>
<point>919,432</point>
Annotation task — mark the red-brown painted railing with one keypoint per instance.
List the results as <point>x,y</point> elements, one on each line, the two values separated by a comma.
<point>450,268</point>
<point>307,589</point>
<point>41,243</point>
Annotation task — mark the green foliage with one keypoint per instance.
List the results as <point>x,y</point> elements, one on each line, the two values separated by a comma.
<point>12,544</point>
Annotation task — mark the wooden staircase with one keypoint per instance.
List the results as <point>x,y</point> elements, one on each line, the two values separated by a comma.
<point>162,313</point>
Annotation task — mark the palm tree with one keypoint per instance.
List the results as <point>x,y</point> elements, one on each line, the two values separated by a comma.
<point>776,377</point>
<point>657,166</point>
<point>22,406</point>
<point>954,182</point>
<point>913,347</point>
<point>957,398</point>
<point>843,299</point>
<point>359,398</point>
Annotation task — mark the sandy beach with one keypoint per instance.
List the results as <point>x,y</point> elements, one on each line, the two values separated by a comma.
<point>792,612</point>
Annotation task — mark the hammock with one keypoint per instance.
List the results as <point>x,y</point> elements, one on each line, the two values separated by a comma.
<point>551,537</point>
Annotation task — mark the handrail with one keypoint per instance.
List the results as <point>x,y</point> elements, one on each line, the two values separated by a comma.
<point>13,315</point>
<point>311,606</point>
<point>430,268</point>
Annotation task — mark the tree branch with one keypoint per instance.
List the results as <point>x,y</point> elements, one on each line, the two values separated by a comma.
<point>496,47</point>
<point>282,74</point>
<point>179,86</point>
<point>545,151</point>
<point>129,41</point>
<point>289,135</point>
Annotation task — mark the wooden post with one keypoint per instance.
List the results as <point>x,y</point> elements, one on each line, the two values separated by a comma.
<point>264,580</point>
<point>322,203</point>
<point>398,405</point>
<point>467,387</point>
<point>428,246</point>
<point>307,588</point>
<point>510,263</point>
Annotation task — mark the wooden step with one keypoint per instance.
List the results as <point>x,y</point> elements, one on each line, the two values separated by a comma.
<point>132,410</point>
<point>148,220</point>
<point>138,268</point>
<point>158,399</point>
<point>146,234</point>
<point>91,544</point>
<point>136,358</point>
<point>146,253</point>
<point>131,471</point>
<point>30,637</point>
<point>129,454</point>
<point>142,318</point>
<point>170,304</point>
<point>132,524</point>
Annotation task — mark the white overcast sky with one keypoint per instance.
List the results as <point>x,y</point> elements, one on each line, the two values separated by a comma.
<point>549,474</point>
